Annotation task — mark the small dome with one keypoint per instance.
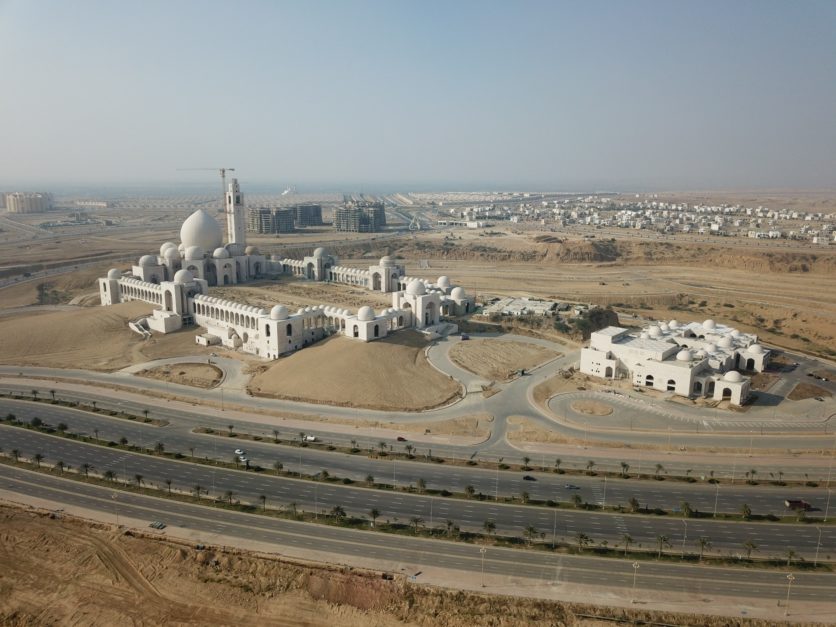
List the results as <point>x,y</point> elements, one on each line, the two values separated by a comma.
<point>732,376</point>
<point>148,260</point>
<point>700,354</point>
<point>166,246</point>
<point>416,288</point>
<point>725,342</point>
<point>663,327</point>
<point>251,250</point>
<point>654,331</point>
<point>710,348</point>
<point>193,253</point>
<point>734,333</point>
<point>171,254</point>
<point>458,293</point>
<point>387,261</point>
<point>235,249</point>
<point>365,314</point>
<point>300,311</point>
<point>683,355</point>
<point>221,253</point>
<point>756,349</point>
<point>443,282</point>
<point>183,276</point>
<point>279,312</point>
<point>709,325</point>
<point>673,324</point>
<point>113,274</point>
<point>319,252</point>
<point>201,229</point>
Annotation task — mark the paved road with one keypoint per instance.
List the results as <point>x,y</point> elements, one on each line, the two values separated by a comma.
<point>415,555</point>
<point>667,495</point>
<point>562,524</point>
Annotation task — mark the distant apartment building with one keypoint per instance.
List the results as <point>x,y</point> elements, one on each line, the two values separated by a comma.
<point>28,202</point>
<point>271,220</point>
<point>360,216</point>
<point>308,215</point>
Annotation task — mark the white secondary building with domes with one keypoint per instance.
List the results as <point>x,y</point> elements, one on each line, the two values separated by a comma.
<point>179,279</point>
<point>692,360</point>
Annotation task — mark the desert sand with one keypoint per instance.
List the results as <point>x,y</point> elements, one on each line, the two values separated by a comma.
<point>93,338</point>
<point>499,360</point>
<point>390,374</point>
<point>196,375</point>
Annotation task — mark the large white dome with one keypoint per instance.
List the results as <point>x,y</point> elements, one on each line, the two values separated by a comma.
<point>201,229</point>
<point>166,246</point>
<point>458,293</point>
<point>416,288</point>
<point>319,252</point>
<point>193,253</point>
<point>148,260</point>
<point>114,274</point>
<point>756,349</point>
<point>183,276</point>
<point>732,376</point>
<point>683,355</point>
<point>365,314</point>
<point>443,282</point>
<point>220,253</point>
<point>709,325</point>
<point>386,261</point>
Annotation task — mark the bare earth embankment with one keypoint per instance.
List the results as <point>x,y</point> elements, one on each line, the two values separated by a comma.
<point>391,374</point>
<point>196,375</point>
<point>499,360</point>
<point>93,338</point>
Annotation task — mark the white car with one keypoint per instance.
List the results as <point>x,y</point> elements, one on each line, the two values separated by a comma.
<point>239,451</point>
<point>242,459</point>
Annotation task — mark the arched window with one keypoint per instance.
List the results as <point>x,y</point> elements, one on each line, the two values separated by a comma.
<point>267,330</point>
<point>376,331</point>
<point>289,329</point>
<point>356,331</point>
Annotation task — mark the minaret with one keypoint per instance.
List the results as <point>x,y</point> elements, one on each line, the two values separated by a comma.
<point>236,226</point>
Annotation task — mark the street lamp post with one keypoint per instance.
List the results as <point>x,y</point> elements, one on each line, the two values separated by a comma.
<point>115,498</point>
<point>604,499</point>
<point>827,506</point>
<point>818,546</point>
<point>635,572</point>
<point>684,537</point>
<point>554,529</point>
<point>482,551</point>
<point>716,496</point>
<point>790,579</point>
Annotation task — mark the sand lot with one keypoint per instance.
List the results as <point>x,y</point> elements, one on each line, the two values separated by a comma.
<point>499,360</point>
<point>195,375</point>
<point>390,374</point>
<point>94,338</point>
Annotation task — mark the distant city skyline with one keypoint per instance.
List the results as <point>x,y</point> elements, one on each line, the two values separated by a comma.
<point>383,96</point>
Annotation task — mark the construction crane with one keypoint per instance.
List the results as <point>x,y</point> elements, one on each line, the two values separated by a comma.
<point>222,172</point>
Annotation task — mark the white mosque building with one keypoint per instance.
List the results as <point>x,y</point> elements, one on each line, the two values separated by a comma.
<point>692,360</point>
<point>179,278</point>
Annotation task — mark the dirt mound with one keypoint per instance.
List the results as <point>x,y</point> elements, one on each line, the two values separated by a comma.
<point>499,360</point>
<point>389,374</point>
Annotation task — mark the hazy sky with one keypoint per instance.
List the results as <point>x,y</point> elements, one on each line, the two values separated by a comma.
<point>448,94</point>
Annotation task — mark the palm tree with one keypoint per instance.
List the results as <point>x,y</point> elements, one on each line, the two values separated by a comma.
<point>791,554</point>
<point>421,484</point>
<point>338,513</point>
<point>634,504</point>
<point>123,440</point>
<point>416,522</point>
<point>659,468</point>
<point>557,463</point>
<point>323,475</point>
<point>263,499</point>
<point>745,511</point>
<point>85,468</point>
<point>138,478</point>
<point>374,513</point>
<point>96,434</point>
<point>278,466</point>
<point>61,427</point>
<point>781,476</point>
<point>353,444</point>
<point>577,500</point>
<point>628,540</point>
<point>664,541</point>
<point>525,496</point>
<point>749,546</point>
<point>409,449</point>
<point>451,526</point>
<point>191,452</point>
<point>685,506</point>
<point>230,427</point>
<point>145,413</point>
<point>382,446</point>
<point>525,462</point>
<point>490,527</point>
<point>108,475</point>
<point>624,468</point>
<point>37,458</point>
<point>369,480</point>
<point>52,392</point>
<point>93,403</point>
<point>276,436</point>
<point>704,543</point>
<point>589,466</point>
<point>293,510</point>
<point>531,533</point>
<point>168,485</point>
<point>469,491</point>
<point>583,540</point>
<point>16,454</point>
<point>60,466</point>
<point>753,474</point>
<point>228,496</point>
<point>159,448</point>
<point>197,490</point>
<point>35,395</point>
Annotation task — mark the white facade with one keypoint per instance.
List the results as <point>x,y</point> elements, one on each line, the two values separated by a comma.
<point>693,360</point>
<point>177,280</point>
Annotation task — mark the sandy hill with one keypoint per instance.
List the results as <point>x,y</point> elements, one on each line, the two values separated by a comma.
<point>389,374</point>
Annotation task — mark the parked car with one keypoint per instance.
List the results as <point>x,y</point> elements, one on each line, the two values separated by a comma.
<point>529,478</point>
<point>571,486</point>
<point>797,504</point>
<point>310,438</point>
<point>239,451</point>
<point>465,336</point>
<point>401,438</point>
